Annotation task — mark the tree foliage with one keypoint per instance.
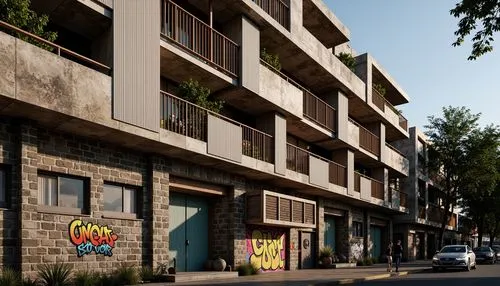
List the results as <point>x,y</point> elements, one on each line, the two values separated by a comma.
<point>348,60</point>
<point>481,17</point>
<point>447,164</point>
<point>19,14</point>
<point>192,91</point>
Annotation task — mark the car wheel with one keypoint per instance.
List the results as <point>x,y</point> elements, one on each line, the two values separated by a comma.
<point>435,269</point>
<point>468,266</point>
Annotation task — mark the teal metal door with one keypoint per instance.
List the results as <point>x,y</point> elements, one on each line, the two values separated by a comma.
<point>376,238</point>
<point>330,232</point>
<point>188,232</point>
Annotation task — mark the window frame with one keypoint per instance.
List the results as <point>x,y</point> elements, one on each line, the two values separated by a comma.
<point>6,185</point>
<point>355,231</point>
<point>121,214</point>
<point>85,210</point>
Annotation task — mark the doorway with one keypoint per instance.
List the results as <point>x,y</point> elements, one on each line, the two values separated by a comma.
<point>376,238</point>
<point>188,230</point>
<point>307,250</point>
<point>330,232</point>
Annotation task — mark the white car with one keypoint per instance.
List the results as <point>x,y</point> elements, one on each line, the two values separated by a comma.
<point>454,256</point>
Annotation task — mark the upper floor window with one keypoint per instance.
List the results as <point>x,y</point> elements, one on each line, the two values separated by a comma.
<point>62,191</point>
<point>120,199</point>
<point>357,229</point>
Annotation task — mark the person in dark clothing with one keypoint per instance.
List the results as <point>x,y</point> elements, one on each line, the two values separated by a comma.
<point>398,254</point>
<point>388,254</point>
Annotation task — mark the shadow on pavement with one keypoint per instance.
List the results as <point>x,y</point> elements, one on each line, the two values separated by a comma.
<point>434,281</point>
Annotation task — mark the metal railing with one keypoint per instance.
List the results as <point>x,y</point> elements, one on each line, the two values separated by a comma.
<point>357,182</point>
<point>378,100</point>
<point>368,140</point>
<point>377,189</point>
<point>277,9</point>
<point>199,38</point>
<point>60,51</point>
<point>338,174</point>
<point>403,122</point>
<point>421,212</point>
<point>314,108</point>
<point>297,159</point>
<point>185,118</point>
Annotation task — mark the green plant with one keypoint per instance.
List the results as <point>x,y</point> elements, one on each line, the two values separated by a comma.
<point>380,89</point>
<point>126,275</point>
<point>19,14</point>
<point>192,91</point>
<point>10,277</point>
<point>55,274</point>
<point>272,60</point>
<point>326,251</point>
<point>247,269</point>
<point>348,60</point>
<point>86,278</point>
<point>147,273</point>
<point>30,282</point>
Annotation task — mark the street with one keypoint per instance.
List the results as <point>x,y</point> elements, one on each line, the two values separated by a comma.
<point>483,275</point>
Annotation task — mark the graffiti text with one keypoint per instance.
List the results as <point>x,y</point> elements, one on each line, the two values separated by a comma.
<point>266,249</point>
<point>88,238</point>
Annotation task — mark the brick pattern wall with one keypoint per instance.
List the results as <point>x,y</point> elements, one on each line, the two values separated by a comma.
<point>9,226</point>
<point>293,254</point>
<point>158,214</point>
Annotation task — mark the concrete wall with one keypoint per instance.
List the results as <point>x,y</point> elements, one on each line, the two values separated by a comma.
<point>395,160</point>
<point>353,133</point>
<point>340,102</point>
<point>365,188</point>
<point>277,90</point>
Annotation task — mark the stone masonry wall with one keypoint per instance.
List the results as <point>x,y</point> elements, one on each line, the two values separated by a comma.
<point>9,225</point>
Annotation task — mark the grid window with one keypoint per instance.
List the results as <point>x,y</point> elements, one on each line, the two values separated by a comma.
<point>120,199</point>
<point>3,188</point>
<point>61,191</point>
<point>357,229</point>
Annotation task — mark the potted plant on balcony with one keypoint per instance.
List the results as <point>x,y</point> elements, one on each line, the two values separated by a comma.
<point>326,256</point>
<point>348,60</point>
<point>380,89</point>
<point>270,59</point>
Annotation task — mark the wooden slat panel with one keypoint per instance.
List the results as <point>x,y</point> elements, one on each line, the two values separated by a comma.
<point>136,71</point>
<point>224,139</point>
<point>271,207</point>
<point>297,212</point>
<point>285,209</point>
<point>309,214</point>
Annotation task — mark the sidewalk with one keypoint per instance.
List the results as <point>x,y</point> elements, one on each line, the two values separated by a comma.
<point>315,276</point>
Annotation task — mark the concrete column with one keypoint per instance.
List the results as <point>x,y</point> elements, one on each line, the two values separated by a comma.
<point>367,243</point>
<point>275,124</point>
<point>296,14</point>
<point>363,70</point>
<point>383,153</point>
<point>340,102</point>
<point>321,225</point>
<point>237,226</point>
<point>158,198</point>
<point>247,35</point>
<point>382,174</point>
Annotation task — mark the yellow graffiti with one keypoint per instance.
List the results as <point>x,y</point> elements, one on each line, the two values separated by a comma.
<point>267,251</point>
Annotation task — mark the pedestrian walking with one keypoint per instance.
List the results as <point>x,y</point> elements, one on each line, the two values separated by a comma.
<point>398,254</point>
<point>388,254</point>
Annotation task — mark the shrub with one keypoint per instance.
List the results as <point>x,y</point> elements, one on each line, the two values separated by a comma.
<point>247,269</point>
<point>272,60</point>
<point>29,282</point>
<point>126,275</point>
<point>55,274</point>
<point>10,277</point>
<point>192,91</point>
<point>146,273</point>
<point>86,278</point>
<point>380,89</point>
<point>326,251</point>
<point>348,60</point>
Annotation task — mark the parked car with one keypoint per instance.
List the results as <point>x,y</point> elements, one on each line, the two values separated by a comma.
<point>454,256</point>
<point>496,248</point>
<point>485,254</point>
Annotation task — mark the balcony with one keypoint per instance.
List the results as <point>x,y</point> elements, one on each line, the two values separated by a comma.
<point>321,171</point>
<point>377,189</point>
<point>367,140</point>
<point>368,187</point>
<point>398,198</point>
<point>193,35</point>
<point>277,9</point>
<point>184,118</point>
<point>395,159</point>
<point>378,100</point>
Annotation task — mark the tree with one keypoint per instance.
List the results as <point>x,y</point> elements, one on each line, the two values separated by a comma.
<point>478,198</point>
<point>447,162</point>
<point>19,14</point>
<point>474,13</point>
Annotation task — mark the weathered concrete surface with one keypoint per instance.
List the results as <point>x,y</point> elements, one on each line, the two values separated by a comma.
<point>365,185</point>
<point>396,161</point>
<point>353,133</point>
<point>277,90</point>
<point>7,65</point>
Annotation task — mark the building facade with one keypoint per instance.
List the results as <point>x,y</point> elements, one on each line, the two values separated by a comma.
<point>104,162</point>
<point>419,228</point>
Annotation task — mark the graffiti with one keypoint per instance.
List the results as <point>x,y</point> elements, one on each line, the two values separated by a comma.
<point>266,249</point>
<point>89,237</point>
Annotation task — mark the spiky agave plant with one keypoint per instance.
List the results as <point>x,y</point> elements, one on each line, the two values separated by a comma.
<point>55,274</point>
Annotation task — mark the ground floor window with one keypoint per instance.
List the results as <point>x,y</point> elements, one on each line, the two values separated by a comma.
<point>120,198</point>
<point>61,191</point>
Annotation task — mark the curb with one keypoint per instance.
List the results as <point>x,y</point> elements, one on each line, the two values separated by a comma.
<point>377,277</point>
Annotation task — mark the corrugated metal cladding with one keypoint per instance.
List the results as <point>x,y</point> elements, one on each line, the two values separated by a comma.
<point>136,72</point>
<point>224,139</point>
<point>280,145</point>
<point>108,3</point>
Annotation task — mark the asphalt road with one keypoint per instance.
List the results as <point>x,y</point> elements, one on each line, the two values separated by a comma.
<point>483,275</point>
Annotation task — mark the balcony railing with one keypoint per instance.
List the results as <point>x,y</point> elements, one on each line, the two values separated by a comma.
<point>188,119</point>
<point>314,108</point>
<point>60,51</point>
<point>394,149</point>
<point>338,174</point>
<point>421,212</point>
<point>378,100</point>
<point>368,140</point>
<point>191,33</point>
<point>403,122</point>
<point>277,9</point>
<point>297,159</point>
<point>357,182</point>
<point>377,189</point>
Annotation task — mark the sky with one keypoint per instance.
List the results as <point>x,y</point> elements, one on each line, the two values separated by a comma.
<point>412,40</point>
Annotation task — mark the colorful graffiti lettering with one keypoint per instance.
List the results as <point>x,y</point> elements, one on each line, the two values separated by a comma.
<point>88,238</point>
<point>266,249</point>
